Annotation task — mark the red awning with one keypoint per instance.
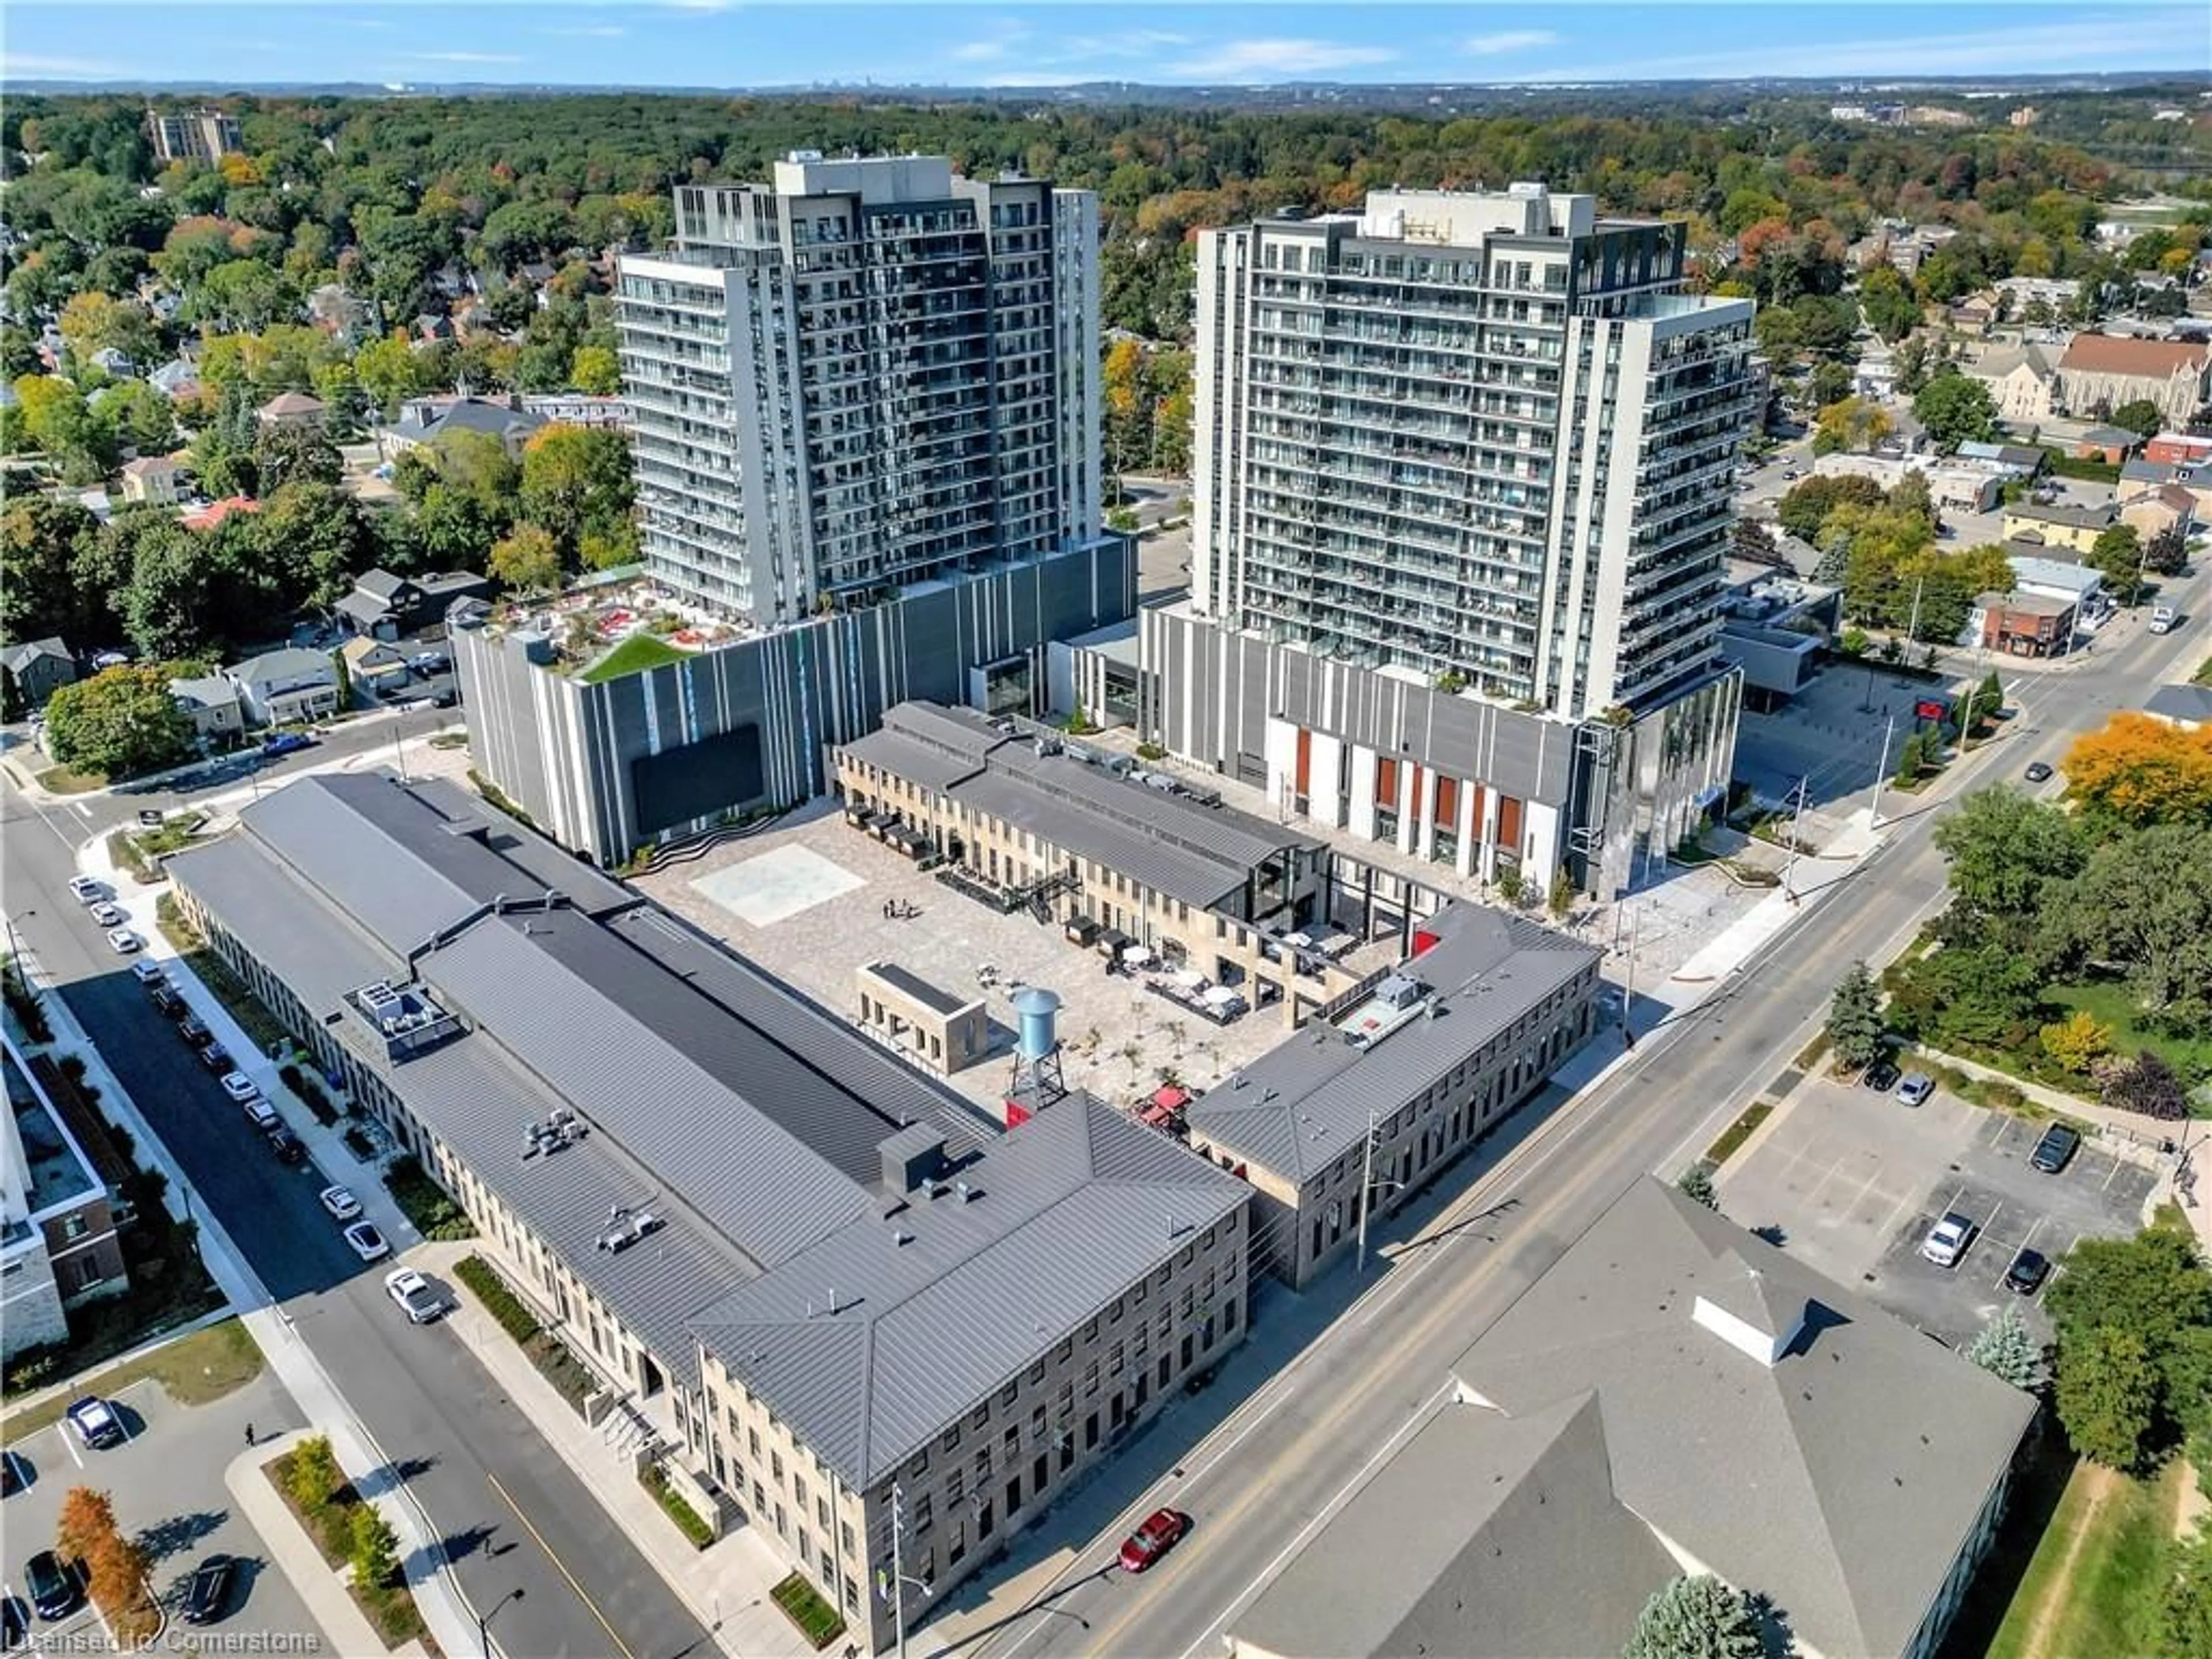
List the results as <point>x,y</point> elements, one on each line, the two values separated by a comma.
<point>1170,1099</point>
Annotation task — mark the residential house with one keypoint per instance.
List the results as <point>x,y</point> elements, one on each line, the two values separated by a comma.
<point>117,365</point>
<point>1672,1395</point>
<point>176,379</point>
<point>2111,444</point>
<point>151,479</point>
<point>2025,460</point>
<point>2019,624</point>
<point>2020,378</point>
<point>39,667</point>
<point>1976,313</point>
<point>388,607</point>
<point>2101,373</point>
<point>2189,706</point>
<point>286,686</point>
<point>2153,513</point>
<point>210,702</point>
<point>430,328</point>
<point>337,312</point>
<point>426,420</point>
<point>215,512</point>
<point>2058,523</point>
<point>373,667</point>
<point>293,409</point>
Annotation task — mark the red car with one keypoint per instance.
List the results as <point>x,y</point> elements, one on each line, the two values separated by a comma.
<point>1154,1539</point>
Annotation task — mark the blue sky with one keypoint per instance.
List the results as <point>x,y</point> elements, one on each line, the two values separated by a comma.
<point>740,43</point>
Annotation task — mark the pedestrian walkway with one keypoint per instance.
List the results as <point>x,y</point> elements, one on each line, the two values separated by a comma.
<point>293,1552</point>
<point>726,1585</point>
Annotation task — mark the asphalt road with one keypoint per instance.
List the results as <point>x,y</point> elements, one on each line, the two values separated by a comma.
<point>1261,1484</point>
<point>431,1408</point>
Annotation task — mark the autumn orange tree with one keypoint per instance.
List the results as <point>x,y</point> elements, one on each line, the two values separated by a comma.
<point>2139,771</point>
<point>115,1566</point>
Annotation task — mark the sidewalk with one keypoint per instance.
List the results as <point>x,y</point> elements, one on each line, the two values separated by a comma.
<point>294,1554</point>
<point>726,1585</point>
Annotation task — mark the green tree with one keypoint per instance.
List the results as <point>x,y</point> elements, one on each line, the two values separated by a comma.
<point>2118,556</point>
<point>1891,310</point>
<point>1912,759</point>
<point>120,722</point>
<point>388,373</point>
<point>594,370</point>
<point>312,1474</point>
<point>576,481</point>
<point>2006,1348</point>
<point>1804,511</point>
<point>1698,1618</point>
<point>1953,410</point>
<point>244,296</point>
<point>2107,1395</point>
<point>1855,1023</point>
<point>2142,417</point>
<point>1987,700</point>
<point>288,455</point>
<point>373,1550</point>
<point>2006,852</point>
<point>526,560</point>
<point>2142,904</point>
<point>2185,1611</point>
<point>43,540</point>
<point>1696,1184</point>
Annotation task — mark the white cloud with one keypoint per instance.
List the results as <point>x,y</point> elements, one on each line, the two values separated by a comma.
<point>466,57</point>
<point>701,6</point>
<point>21,65</point>
<point>591,31</point>
<point>1509,40</point>
<point>1248,60</point>
<point>2141,40</point>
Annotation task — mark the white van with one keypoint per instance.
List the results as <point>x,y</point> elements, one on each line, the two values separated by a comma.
<point>2162,618</point>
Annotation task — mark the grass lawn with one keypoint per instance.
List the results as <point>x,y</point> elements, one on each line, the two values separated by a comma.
<point>60,780</point>
<point>389,1606</point>
<point>633,655</point>
<point>2092,1586</point>
<point>2108,1002</point>
<point>1737,1133</point>
<point>192,1371</point>
<point>2204,672</point>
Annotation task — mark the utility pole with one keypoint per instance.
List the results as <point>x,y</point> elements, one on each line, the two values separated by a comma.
<point>1913,625</point>
<point>1628,988</point>
<point>1796,817</point>
<point>1881,772</point>
<point>898,1566</point>
<point>1366,1191</point>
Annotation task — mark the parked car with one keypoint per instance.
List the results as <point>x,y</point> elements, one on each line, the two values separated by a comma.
<point>285,743</point>
<point>85,891</point>
<point>1946,1240</point>
<point>123,941</point>
<point>146,971</point>
<point>367,1244</point>
<point>427,663</point>
<point>340,1202</point>
<point>15,1623</point>
<point>240,1087</point>
<point>2163,618</point>
<point>54,1589</point>
<point>107,915</point>
<point>284,1143</point>
<point>165,998</point>
<point>1161,1531</point>
<point>263,1116</point>
<point>2029,1271</point>
<point>1916,1088</point>
<point>97,1426</point>
<point>191,1028</point>
<point>415,1294</point>
<point>210,1591</point>
<point>15,1474</point>
<point>1881,1076</point>
<point>2056,1150</point>
<point>216,1059</point>
<point>448,698</point>
<point>2037,772</point>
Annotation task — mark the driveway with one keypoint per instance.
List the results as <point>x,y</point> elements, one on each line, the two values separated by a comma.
<point>167,1484</point>
<point>1850,1181</point>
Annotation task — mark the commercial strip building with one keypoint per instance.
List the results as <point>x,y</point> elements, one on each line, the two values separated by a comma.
<point>865,374</point>
<point>832,1289</point>
<point>1672,1396</point>
<point>1461,500</point>
<point>59,1211</point>
<point>1395,1079</point>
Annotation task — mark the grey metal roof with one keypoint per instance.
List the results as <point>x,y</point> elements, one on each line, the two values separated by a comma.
<point>2181,702</point>
<point>472,414</point>
<point>958,731</point>
<point>282,664</point>
<point>1221,832</point>
<point>1841,1481</point>
<point>1521,1550</point>
<point>919,762</point>
<point>940,1304</point>
<point>932,997</point>
<point>555,998</point>
<point>1189,877</point>
<point>1297,1107</point>
<point>260,902</point>
<point>24,653</point>
<point>379,584</point>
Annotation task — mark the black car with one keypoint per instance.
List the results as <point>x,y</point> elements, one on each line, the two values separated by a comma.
<point>210,1591</point>
<point>54,1589</point>
<point>2028,1270</point>
<point>193,1030</point>
<point>1881,1076</point>
<point>15,1474</point>
<point>15,1623</point>
<point>216,1059</point>
<point>286,1146</point>
<point>2058,1147</point>
<point>2037,772</point>
<point>165,999</point>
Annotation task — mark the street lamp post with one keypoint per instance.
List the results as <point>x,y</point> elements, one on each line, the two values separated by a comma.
<point>896,1591</point>
<point>483,1620</point>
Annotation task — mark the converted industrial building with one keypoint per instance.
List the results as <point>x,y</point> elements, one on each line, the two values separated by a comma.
<point>859,1298</point>
<point>1674,1396</point>
<point>1398,1075</point>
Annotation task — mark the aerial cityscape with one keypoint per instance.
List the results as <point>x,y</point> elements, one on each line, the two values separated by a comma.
<point>1023,832</point>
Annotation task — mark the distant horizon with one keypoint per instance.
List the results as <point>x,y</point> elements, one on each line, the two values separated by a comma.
<point>733,46</point>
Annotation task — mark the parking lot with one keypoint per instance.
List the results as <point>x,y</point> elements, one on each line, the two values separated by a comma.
<point>815,913</point>
<point>1852,1181</point>
<point>1831,732</point>
<point>167,1484</point>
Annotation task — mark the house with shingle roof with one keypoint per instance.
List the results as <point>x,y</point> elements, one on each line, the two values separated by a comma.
<point>293,409</point>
